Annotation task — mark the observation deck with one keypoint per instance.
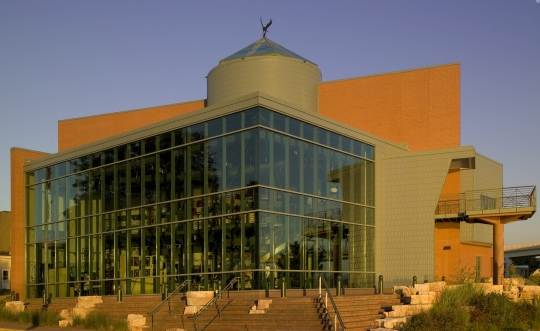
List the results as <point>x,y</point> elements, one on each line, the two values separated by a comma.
<point>496,207</point>
<point>515,203</point>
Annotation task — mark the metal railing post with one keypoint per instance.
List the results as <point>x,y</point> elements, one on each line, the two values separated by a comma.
<point>338,287</point>
<point>320,280</point>
<point>381,284</point>
<point>219,289</point>
<point>326,299</point>
<point>119,294</point>
<point>414,279</point>
<point>44,297</point>
<point>283,289</point>
<point>12,295</point>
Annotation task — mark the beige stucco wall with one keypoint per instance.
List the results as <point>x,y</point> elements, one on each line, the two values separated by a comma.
<point>411,184</point>
<point>487,174</point>
<point>283,77</point>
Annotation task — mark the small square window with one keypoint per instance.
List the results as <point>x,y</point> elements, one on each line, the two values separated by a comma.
<point>5,275</point>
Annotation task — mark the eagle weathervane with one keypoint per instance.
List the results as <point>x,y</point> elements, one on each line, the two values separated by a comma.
<point>265,28</point>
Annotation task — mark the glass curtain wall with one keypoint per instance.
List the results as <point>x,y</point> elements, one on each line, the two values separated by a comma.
<point>255,194</point>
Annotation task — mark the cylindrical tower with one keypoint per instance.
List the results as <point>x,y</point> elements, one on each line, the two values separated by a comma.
<point>266,67</point>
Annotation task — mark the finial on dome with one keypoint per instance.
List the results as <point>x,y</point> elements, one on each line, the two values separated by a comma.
<point>265,28</point>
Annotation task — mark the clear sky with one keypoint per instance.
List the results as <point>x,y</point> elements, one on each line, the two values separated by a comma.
<point>62,59</point>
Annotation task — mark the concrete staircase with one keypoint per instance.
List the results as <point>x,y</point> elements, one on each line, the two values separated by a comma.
<point>301,313</point>
<point>359,312</point>
<point>304,313</point>
<point>55,305</point>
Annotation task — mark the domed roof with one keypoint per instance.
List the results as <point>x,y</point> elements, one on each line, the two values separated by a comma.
<point>264,46</point>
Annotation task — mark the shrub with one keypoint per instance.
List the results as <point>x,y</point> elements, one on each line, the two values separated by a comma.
<point>468,308</point>
<point>36,318</point>
<point>98,320</point>
<point>440,318</point>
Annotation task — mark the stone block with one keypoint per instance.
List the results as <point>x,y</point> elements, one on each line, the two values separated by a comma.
<point>437,286</point>
<point>530,289</point>
<point>15,306</point>
<point>401,311</point>
<point>256,311</point>
<point>487,280</point>
<point>138,327</point>
<point>263,304</point>
<point>190,310</point>
<point>422,287</point>
<point>88,301</point>
<point>427,298</point>
<point>199,298</point>
<point>81,312</point>
<point>65,323</point>
<point>392,323</point>
<point>512,294</point>
<point>64,313</point>
<point>136,320</point>
<point>405,291</point>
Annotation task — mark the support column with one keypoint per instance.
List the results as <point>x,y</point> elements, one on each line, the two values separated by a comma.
<point>498,253</point>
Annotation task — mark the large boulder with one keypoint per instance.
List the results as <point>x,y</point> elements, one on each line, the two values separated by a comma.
<point>199,298</point>
<point>15,306</point>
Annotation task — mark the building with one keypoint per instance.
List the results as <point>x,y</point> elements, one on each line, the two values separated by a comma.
<point>276,176</point>
<point>528,255</point>
<point>5,248</point>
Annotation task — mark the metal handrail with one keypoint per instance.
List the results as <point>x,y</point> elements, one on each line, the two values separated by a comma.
<point>217,296</point>
<point>337,315</point>
<point>488,199</point>
<point>167,300</point>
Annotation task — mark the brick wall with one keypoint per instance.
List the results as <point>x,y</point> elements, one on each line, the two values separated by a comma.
<point>80,131</point>
<point>18,158</point>
<point>420,106</point>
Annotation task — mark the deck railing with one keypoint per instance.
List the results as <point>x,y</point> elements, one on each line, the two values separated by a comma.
<point>506,198</point>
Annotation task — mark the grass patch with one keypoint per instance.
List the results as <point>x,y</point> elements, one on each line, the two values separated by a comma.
<point>95,320</point>
<point>468,308</point>
<point>98,320</point>
<point>36,318</point>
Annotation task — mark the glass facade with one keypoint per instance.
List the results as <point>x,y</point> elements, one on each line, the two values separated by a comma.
<point>254,194</point>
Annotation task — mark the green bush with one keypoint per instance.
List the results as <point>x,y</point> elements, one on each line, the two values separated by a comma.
<point>468,308</point>
<point>440,318</point>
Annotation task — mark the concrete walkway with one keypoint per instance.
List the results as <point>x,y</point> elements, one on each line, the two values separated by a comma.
<point>16,326</point>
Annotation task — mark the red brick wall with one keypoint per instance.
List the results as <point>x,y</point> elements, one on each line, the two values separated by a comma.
<point>18,157</point>
<point>80,131</point>
<point>420,106</point>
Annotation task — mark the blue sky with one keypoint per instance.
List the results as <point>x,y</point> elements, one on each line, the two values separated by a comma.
<point>66,59</point>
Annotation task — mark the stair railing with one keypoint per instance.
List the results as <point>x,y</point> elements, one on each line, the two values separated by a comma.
<point>217,295</point>
<point>167,301</point>
<point>337,316</point>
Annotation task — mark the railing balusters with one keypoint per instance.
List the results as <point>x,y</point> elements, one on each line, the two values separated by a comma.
<point>503,198</point>
<point>322,281</point>
<point>167,300</point>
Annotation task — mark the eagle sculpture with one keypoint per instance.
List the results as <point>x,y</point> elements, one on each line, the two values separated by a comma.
<point>265,28</point>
